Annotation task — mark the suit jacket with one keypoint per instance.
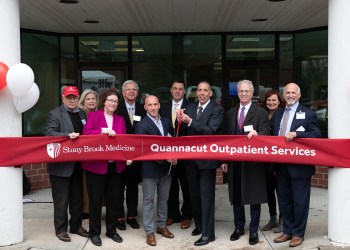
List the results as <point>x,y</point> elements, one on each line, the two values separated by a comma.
<point>253,182</point>
<point>122,111</point>
<point>312,130</point>
<point>58,123</point>
<point>153,169</point>
<point>209,123</point>
<point>97,121</point>
<point>166,110</point>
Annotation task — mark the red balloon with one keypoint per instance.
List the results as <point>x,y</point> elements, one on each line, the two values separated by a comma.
<point>3,72</point>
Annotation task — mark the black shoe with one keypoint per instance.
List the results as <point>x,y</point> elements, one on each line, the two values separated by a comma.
<point>253,238</point>
<point>133,223</point>
<point>116,237</point>
<point>121,224</point>
<point>236,234</point>
<point>196,231</point>
<point>96,240</point>
<point>204,240</point>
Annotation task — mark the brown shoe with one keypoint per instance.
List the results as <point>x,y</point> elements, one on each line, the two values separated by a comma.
<point>282,238</point>
<point>63,236</point>
<point>151,240</point>
<point>165,232</point>
<point>169,222</point>
<point>185,224</point>
<point>296,241</point>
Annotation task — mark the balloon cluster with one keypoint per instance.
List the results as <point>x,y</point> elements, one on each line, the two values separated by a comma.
<point>19,79</point>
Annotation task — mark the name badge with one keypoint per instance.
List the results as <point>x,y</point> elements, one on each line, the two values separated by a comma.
<point>248,128</point>
<point>83,121</point>
<point>300,115</point>
<point>137,118</point>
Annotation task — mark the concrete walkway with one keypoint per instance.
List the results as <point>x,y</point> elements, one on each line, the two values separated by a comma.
<point>39,230</point>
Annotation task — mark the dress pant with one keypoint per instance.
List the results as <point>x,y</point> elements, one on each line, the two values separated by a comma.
<point>294,201</point>
<point>238,207</point>
<point>130,187</point>
<point>99,186</point>
<point>271,188</point>
<point>239,217</point>
<point>202,196</point>
<point>179,178</point>
<point>149,187</point>
<point>67,194</point>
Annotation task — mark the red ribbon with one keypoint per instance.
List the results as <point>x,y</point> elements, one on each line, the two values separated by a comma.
<point>25,150</point>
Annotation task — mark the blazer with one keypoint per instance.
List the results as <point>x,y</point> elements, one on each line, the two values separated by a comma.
<point>153,169</point>
<point>209,123</point>
<point>311,130</point>
<point>122,111</point>
<point>253,183</point>
<point>96,121</point>
<point>166,110</point>
<point>58,123</point>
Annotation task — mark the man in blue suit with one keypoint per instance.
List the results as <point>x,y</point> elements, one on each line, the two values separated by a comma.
<point>155,174</point>
<point>294,180</point>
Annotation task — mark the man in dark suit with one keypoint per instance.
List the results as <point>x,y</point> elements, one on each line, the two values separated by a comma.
<point>132,112</point>
<point>155,174</point>
<point>294,180</point>
<point>66,177</point>
<point>170,110</point>
<point>246,180</point>
<point>203,118</point>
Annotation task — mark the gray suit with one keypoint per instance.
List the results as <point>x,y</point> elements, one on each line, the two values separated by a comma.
<point>65,177</point>
<point>58,123</point>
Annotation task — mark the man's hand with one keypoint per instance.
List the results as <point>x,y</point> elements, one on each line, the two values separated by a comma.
<point>224,167</point>
<point>290,136</point>
<point>251,133</point>
<point>73,135</point>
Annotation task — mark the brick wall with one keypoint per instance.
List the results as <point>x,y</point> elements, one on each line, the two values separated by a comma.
<point>38,177</point>
<point>320,179</point>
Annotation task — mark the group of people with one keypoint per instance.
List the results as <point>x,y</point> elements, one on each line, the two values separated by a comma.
<point>249,183</point>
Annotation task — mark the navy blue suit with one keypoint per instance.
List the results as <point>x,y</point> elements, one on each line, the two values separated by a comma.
<point>294,180</point>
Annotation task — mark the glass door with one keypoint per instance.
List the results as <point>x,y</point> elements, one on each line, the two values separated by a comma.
<point>102,79</point>
<point>262,76</point>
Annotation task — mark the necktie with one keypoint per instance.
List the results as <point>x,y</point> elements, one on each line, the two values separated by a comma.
<point>131,115</point>
<point>285,118</point>
<point>173,114</point>
<point>199,112</point>
<point>241,118</point>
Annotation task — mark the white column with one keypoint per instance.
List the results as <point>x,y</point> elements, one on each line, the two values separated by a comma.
<point>11,208</point>
<point>339,116</point>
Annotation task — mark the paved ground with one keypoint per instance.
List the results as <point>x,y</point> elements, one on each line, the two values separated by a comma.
<point>39,231</point>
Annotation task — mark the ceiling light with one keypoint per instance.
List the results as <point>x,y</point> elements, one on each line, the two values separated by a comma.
<point>245,39</point>
<point>259,19</point>
<point>238,50</point>
<point>276,0</point>
<point>91,21</point>
<point>69,1</point>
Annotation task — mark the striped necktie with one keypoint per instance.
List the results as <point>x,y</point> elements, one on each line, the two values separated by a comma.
<point>284,122</point>
<point>131,115</point>
<point>241,118</point>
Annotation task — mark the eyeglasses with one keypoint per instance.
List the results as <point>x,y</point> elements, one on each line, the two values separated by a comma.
<point>112,101</point>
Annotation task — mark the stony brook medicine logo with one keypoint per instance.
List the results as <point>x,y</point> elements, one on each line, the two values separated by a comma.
<point>53,149</point>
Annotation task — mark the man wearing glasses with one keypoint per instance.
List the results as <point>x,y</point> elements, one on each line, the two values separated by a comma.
<point>132,112</point>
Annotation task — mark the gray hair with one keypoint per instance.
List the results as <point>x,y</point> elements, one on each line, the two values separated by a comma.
<point>83,96</point>
<point>250,83</point>
<point>129,81</point>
